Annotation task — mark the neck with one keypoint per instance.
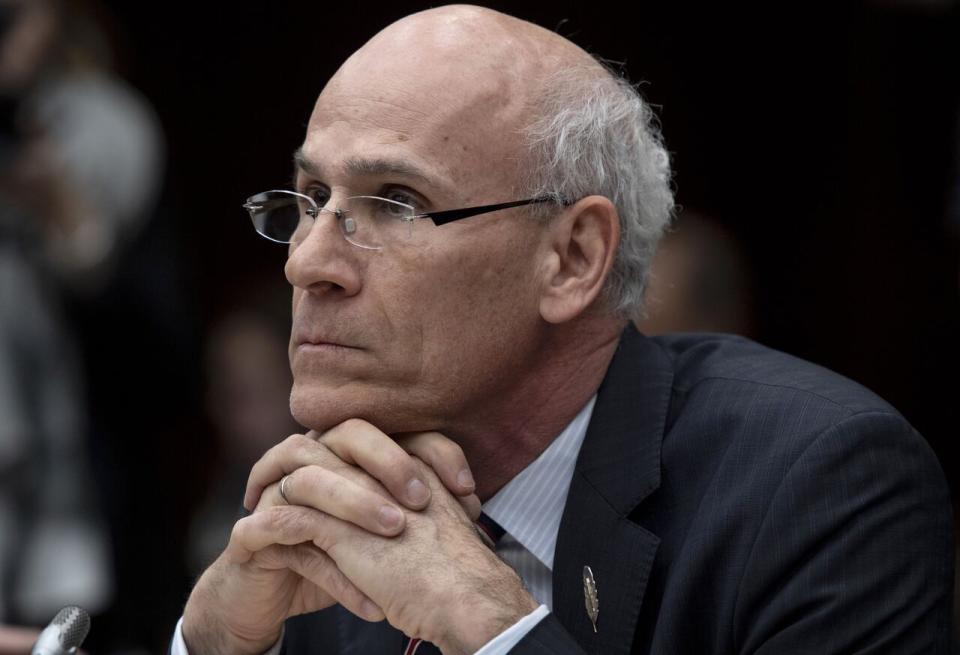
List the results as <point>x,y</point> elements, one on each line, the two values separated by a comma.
<point>514,428</point>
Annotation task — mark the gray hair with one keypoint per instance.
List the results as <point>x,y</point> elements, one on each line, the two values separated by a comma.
<point>594,135</point>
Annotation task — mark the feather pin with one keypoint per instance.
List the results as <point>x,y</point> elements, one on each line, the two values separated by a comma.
<point>590,596</point>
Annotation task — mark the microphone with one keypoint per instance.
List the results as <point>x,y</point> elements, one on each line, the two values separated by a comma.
<point>65,633</point>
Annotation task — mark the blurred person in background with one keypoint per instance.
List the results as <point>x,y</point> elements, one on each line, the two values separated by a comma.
<point>699,281</point>
<point>80,161</point>
<point>247,402</point>
<point>82,152</point>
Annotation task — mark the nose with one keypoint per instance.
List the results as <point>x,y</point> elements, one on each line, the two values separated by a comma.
<point>324,262</point>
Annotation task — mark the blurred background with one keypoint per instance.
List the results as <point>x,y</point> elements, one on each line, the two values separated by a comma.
<point>143,323</point>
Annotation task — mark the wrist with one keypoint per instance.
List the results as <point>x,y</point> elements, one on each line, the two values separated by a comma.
<point>208,638</point>
<point>474,622</point>
<point>205,633</point>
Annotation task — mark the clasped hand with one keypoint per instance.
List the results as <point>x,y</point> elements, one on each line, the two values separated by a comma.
<point>383,526</point>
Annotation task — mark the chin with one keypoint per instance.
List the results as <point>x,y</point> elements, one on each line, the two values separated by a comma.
<point>320,409</point>
<point>317,410</point>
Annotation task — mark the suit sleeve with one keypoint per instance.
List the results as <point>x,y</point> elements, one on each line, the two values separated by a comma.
<point>548,637</point>
<point>855,551</point>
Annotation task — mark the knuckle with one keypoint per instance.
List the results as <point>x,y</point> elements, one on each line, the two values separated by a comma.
<point>436,447</point>
<point>292,448</point>
<point>301,443</point>
<point>293,441</point>
<point>264,464</point>
<point>313,477</point>
<point>397,464</point>
<point>355,425</point>
<point>307,559</point>
<point>321,543</point>
<point>238,532</point>
<point>323,540</point>
<point>283,520</point>
<point>324,484</point>
<point>449,450</point>
<point>271,518</point>
<point>272,556</point>
<point>243,530</point>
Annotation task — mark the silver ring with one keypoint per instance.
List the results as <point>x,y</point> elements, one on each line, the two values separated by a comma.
<point>283,491</point>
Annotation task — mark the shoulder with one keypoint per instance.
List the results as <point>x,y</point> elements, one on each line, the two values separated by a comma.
<point>731,373</point>
<point>740,362</point>
<point>737,406</point>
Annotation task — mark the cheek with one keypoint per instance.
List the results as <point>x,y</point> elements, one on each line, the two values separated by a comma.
<point>473,311</point>
<point>294,301</point>
<point>295,298</point>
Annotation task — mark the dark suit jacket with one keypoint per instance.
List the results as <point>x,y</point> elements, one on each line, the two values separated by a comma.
<point>733,499</point>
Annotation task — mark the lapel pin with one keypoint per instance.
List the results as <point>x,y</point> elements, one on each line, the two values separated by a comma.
<point>590,596</point>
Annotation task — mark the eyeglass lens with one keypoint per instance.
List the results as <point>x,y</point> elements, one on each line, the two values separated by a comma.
<point>365,221</point>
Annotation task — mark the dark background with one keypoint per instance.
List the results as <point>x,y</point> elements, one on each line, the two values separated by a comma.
<point>824,139</point>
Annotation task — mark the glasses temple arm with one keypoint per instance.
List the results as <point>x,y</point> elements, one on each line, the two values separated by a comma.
<point>440,218</point>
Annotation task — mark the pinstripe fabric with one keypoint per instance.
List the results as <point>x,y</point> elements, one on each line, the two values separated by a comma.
<point>530,506</point>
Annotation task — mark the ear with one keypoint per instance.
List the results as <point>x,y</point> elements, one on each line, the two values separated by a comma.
<point>582,245</point>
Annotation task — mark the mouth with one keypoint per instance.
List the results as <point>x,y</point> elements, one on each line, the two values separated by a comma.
<point>320,344</point>
<point>309,336</point>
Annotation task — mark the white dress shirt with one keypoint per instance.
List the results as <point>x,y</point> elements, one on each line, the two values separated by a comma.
<point>529,509</point>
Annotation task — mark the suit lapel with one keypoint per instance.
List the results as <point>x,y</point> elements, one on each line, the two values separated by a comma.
<point>618,466</point>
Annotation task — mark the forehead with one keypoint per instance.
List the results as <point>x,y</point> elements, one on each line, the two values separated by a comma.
<point>454,116</point>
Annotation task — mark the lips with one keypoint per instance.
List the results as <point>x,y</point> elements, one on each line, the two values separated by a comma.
<point>319,341</point>
<point>313,336</point>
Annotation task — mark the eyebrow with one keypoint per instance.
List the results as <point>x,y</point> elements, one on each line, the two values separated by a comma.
<point>362,166</point>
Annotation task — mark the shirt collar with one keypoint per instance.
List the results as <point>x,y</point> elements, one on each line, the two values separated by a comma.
<point>530,506</point>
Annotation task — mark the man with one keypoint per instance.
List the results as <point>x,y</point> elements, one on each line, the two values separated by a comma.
<point>724,498</point>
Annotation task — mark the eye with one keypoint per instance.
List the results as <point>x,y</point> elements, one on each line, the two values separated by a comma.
<point>319,195</point>
<point>401,196</point>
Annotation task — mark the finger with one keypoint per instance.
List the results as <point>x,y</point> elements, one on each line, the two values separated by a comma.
<point>290,454</point>
<point>336,495</point>
<point>471,505</point>
<point>444,456</point>
<point>270,497</point>
<point>286,525</point>
<point>16,639</point>
<point>357,442</point>
<point>311,563</point>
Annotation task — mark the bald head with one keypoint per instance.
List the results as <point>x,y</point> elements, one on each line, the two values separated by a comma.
<point>475,41</point>
<point>460,79</point>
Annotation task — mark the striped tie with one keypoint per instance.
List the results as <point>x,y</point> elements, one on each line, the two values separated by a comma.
<point>491,532</point>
